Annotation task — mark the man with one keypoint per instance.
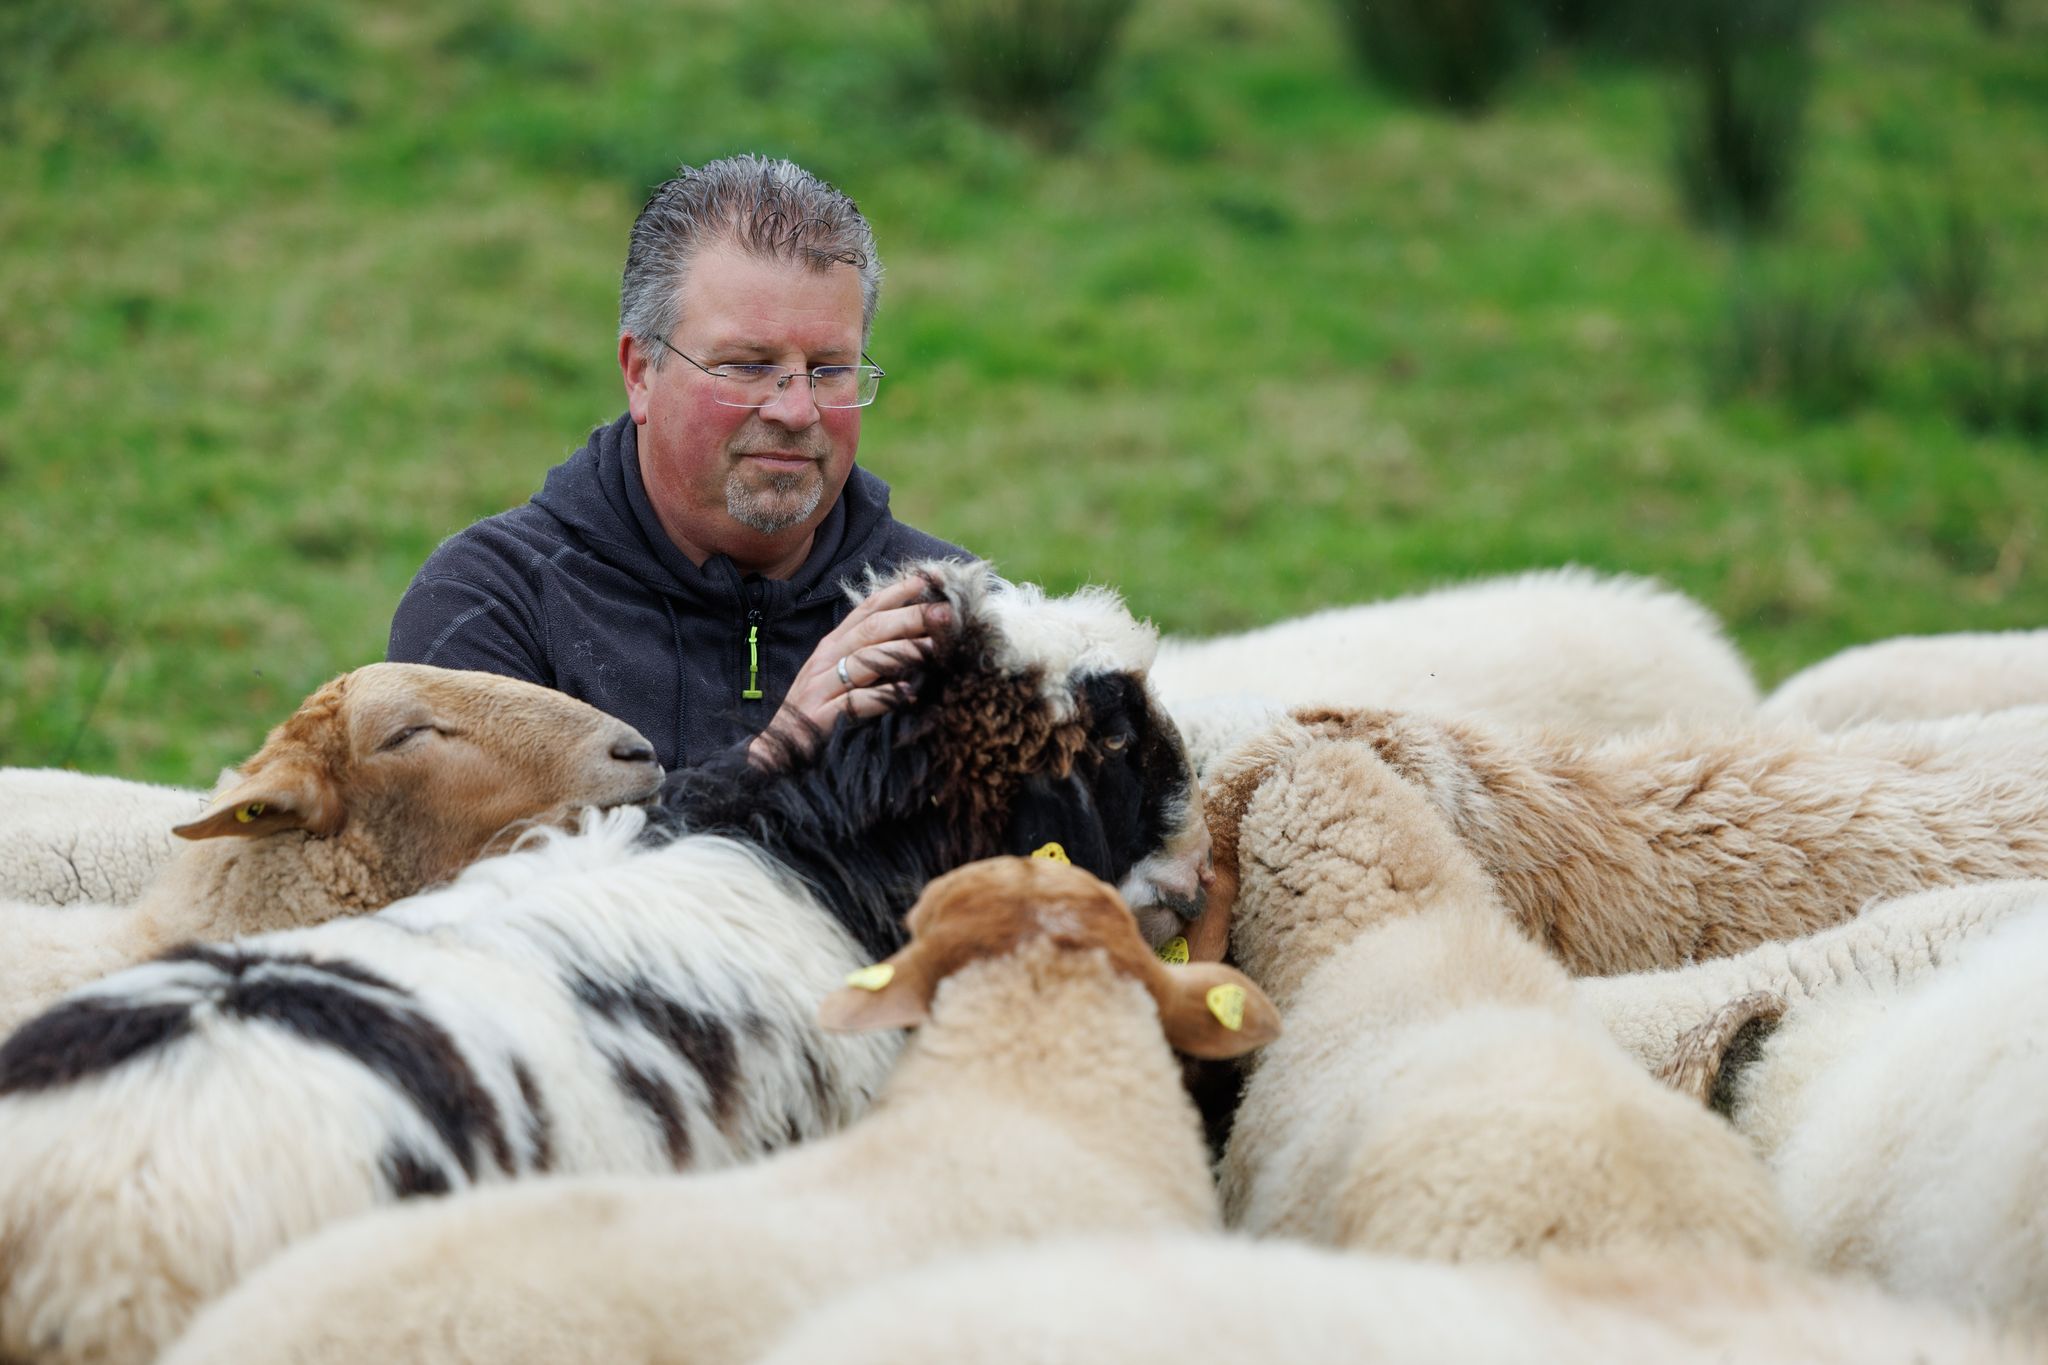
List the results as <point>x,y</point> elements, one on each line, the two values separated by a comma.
<point>683,570</point>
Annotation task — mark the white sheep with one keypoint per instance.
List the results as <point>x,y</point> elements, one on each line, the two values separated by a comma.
<point>1437,1093</point>
<point>1567,647</point>
<point>1171,1300</point>
<point>1037,1096</point>
<point>385,780</point>
<point>638,997</point>
<point>1894,1074</point>
<point>1677,844</point>
<point>1917,677</point>
<point>70,837</point>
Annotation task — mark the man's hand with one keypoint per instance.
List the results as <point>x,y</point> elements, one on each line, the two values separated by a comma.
<point>860,669</point>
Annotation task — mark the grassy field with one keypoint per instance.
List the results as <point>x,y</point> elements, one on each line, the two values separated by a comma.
<point>291,289</point>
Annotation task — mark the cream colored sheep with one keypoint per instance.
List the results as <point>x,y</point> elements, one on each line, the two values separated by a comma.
<point>1917,677</point>
<point>1037,1096</point>
<point>1894,1073</point>
<point>1179,1300</point>
<point>386,780</point>
<point>1437,1093</point>
<point>70,837</point>
<point>1674,845</point>
<point>1599,653</point>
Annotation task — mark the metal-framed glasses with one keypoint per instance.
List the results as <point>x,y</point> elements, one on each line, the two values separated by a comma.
<point>756,386</point>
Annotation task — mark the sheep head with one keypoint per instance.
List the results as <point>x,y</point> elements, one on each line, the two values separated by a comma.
<point>991,908</point>
<point>430,765</point>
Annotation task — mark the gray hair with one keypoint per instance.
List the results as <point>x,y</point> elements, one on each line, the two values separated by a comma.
<point>771,208</point>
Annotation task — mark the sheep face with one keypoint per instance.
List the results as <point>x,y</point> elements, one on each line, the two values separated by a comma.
<point>1031,724</point>
<point>431,765</point>
<point>992,908</point>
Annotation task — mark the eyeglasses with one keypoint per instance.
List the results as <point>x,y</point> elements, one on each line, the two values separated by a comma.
<point>756,386</point>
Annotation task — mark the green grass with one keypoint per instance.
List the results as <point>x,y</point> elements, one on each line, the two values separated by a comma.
<point>288,292</point>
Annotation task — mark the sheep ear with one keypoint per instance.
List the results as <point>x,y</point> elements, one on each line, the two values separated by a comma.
<point>890,994</point>
<point>1209,933</point>
<point>1213,1011</point>
<point>281,797</point>
<point>1705,1060</point>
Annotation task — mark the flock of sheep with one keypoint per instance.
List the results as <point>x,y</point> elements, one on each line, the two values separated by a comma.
<point>1627,1015</point>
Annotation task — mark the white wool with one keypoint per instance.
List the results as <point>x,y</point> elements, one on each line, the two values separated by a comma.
<point>1915,677</point>
<point>1567,647</point>
<point>1178,1300</point>
<point>69,837</point>
<point>1901,1101</point>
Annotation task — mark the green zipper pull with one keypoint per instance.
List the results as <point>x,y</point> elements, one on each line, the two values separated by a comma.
<point>753,692</point>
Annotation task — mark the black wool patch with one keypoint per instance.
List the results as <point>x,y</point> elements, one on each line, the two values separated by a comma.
<point>399,1045</point>
<point>661,1102</point>
<point>411,1175</point>
<point>81,1039</point>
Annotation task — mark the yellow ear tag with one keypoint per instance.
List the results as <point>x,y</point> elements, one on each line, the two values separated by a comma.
<point>1174,950</point>
<point>1052,853</point>
<point>249,812</point>
<point>1226,1002</point>
<point>872,978</point>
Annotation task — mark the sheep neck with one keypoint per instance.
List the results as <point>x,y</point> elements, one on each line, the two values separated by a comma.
<point>225,887</point>
<point>1061,1035</point>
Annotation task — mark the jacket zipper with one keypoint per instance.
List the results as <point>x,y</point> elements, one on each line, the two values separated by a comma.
<point>753,691</point>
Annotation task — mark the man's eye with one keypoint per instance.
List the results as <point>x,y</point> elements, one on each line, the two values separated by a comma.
<point>750,371</point>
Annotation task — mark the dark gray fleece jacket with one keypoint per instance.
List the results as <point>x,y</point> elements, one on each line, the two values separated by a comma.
<point>581,590</point>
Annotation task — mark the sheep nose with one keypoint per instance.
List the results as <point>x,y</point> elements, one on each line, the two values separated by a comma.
<point>635,750</point>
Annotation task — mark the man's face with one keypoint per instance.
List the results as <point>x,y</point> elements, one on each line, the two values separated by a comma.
<point>752,483</point>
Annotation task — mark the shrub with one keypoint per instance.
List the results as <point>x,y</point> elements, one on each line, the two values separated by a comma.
<point>1453,52</point>
<point>2003,386</point>
<point>1027,61</point>
<point>1805,343</point>
<point>1741,111</point>
<point>1942,258</point>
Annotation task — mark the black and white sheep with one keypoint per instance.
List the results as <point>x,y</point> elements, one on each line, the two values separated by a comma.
<point>588,1004</point>
<point>1038,1096</point>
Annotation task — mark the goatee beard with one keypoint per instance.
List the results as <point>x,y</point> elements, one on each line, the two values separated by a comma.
<point>786,500</point>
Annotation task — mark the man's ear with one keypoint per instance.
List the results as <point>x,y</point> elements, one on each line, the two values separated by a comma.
<point>285,795</point>
<point>891,994</point>
<point>1707,1057</point>
<point>635,361</point>
<point>1213,1011</point>
<point>1059,810</point>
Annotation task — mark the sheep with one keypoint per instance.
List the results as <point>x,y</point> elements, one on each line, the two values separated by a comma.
<point>634,998</point>
<point>1892,1072</point>
<point>1437,1093</point>
<point>1674,845</point>
<point>1038,1095</point>
<point>1917,677</point>
<point>385,780</point>
<point>1569,647</point>
<point>1169,1300</point>
<point>68,837</point>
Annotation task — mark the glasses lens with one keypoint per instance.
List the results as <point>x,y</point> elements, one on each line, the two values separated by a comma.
<point>745,386</point>
<point>846,386</point>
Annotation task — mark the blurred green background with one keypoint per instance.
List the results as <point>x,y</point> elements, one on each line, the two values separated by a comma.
<point>1244,307</point>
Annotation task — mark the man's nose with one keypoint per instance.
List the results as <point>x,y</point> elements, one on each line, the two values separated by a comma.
<point>794,405</point>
